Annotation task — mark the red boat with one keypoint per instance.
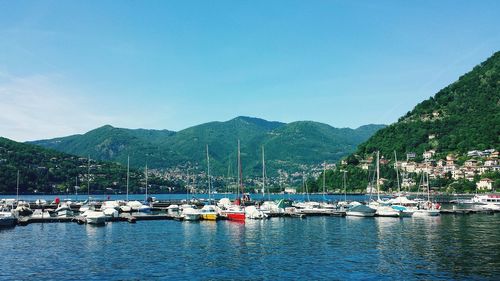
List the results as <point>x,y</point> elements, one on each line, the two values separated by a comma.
<point>236,215</point>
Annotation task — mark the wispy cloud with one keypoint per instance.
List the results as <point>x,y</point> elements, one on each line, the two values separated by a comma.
<point>40,106</point>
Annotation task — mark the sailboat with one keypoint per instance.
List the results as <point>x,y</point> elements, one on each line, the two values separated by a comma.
<point>358,209</point>
<point>269,206</point>
<point>384,209</point>
<point>427,208</point>
<point>325,204</point>
<point>236,211</point>
<point>401,203</point>
<point>209,211</point>
<point>91,215</point>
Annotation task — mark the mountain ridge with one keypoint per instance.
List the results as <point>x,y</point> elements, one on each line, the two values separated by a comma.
<point>166,149</point>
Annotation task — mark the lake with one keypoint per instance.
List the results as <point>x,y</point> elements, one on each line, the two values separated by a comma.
<point>316,248</point>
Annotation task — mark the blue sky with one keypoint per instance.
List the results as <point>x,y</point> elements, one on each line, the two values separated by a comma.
<point>67,67</point>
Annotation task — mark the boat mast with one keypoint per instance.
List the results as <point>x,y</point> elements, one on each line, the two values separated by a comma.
<point>324,181</point>
<point>208,175</point>
<point>426,175</point>
<point>345,186</point>
<point>88,180</point>
<point>264,176</point>
<point>17,187</point>
<point>397,171</point>
<point>128,173</point>
<point>305,184</point>
<point>76,188</point>
<point>240,180</point>
<point>378,175</point>
<point>146,171</point>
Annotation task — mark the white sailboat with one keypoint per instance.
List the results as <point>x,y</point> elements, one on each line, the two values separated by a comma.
<point>427,208</point>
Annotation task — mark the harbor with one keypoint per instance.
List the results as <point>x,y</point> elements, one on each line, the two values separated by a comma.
<point>168,209</point>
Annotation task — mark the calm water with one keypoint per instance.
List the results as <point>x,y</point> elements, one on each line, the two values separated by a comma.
<point>317,248</point>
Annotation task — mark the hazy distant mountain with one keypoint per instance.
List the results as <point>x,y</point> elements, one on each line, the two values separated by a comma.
<point>287,145</point>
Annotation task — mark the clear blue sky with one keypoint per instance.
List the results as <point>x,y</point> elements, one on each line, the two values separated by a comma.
<point>70,66</point>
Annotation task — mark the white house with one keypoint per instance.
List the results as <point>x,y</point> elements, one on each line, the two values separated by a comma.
<point>485,184</point>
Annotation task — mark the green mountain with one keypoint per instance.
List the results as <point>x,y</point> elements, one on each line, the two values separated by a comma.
<point>461,117</point>
<point>47,171</point>
<point>287,145</point>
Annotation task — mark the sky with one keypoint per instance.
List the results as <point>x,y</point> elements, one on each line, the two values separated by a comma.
<point>67,67</point>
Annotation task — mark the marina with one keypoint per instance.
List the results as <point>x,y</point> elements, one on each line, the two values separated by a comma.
<point>170,209</point>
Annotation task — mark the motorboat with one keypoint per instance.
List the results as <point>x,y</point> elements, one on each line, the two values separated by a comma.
<point>190,214</point>
<point>23,209</point>
<point>40,214</point>
<point>137,206</point>
<point>94,217</point>
<point>173,209</point>
<point>63,210</point>
<point>7,219</point>
<point>360,210</point>
<point>111,212</point>
<point>209,212</point>
<point>252,212</point>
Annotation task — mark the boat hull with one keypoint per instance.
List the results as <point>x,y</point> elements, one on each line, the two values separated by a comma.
<point>209,216</point>
<point>426,213</point>
<point>236,216</point>
<point>360,214</point>
<point>8,222</point>
<point>191,217</point>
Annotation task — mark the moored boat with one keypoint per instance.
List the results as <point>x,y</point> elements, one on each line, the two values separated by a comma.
<point>209,212</point>
<point>190,214</point>
<point>357,209</point>
<point>7,219</point>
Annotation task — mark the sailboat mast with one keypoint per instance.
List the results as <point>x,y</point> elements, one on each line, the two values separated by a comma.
<point>324,180</point>
<point>88,179</point>
<point>146,171</point>
<point>428,185</point>
<point>240,172</point>
<point>128,173</point>
<point>76,188</point>
<point>263,174</point>
<point>397,171</point>
<point>345,186</point>
<point>209,181</point>
<point>17,187</point>
<point>378,175</point>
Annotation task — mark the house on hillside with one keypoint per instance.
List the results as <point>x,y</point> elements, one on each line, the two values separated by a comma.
<point>428,154</point>
<point>450,160</point>
<point>471,163</point>
<point>485,184</point>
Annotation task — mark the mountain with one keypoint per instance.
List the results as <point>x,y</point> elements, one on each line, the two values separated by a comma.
<point>463,116</point>
<point>48,171</point>
<point>287,145</point>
